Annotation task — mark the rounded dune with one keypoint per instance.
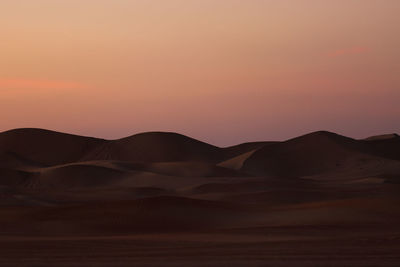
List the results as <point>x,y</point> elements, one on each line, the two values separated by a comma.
<point>44,147</point>
<point>156,147</point>
<point>310,154</point>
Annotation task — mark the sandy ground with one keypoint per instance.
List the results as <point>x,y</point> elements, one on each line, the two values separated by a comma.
<point>307,246</point>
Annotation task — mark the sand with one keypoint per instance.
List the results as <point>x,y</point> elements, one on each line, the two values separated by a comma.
<point>166,199</point>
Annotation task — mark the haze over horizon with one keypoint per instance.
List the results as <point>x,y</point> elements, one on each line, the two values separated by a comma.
<point>265,70</point>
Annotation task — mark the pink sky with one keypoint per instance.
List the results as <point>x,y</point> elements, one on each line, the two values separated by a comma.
<point>223,71</point>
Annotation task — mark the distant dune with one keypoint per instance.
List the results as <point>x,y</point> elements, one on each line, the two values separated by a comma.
<point>45,147</point>
<point>155,147</point>
<point>316,153</point>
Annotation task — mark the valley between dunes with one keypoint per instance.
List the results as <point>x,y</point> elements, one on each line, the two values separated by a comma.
<point>160,198</point>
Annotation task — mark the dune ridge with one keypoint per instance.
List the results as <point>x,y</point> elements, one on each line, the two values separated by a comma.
<point>152,178</point>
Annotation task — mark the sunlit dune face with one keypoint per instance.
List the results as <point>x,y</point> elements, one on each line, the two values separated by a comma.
<point>222,71</point>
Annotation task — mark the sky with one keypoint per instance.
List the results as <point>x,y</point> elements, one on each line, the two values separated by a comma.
<point>222,71</point>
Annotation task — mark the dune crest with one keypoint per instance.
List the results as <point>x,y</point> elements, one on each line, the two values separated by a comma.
<point>167,182</point>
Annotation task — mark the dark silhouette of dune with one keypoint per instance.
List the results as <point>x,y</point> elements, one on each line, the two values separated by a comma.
<point>155,147</point>
<point>319,189</point>
<point>387,146</point>
<point>45,147</point>
<point>37,147</point>
<point>311,154</point>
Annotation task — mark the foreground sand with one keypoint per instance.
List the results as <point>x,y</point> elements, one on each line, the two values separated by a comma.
<point>304,246</point>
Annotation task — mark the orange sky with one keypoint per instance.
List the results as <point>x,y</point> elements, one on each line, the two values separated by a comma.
<point>224,71</point>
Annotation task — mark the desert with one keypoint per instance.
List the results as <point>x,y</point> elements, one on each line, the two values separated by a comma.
<point>162,198</point>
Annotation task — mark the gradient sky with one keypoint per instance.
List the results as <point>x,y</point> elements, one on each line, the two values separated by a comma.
<point>223,71</point>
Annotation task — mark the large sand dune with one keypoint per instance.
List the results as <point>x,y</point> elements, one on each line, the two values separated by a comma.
<point>318,190</point>
<point>316,153</point>
<point>46,147</point>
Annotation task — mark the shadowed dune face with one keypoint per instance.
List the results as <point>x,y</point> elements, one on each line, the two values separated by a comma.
<point>311,154</point>
<point>110,174</point>
<point>11,177</point>
<point>191,169</point>
<point>156,147</point>
<point>387,146</point>
<point>30,148</point>
<point>77,175</point>
<point>43,147</point>
<point>55,183</point>
<point>13,161</point>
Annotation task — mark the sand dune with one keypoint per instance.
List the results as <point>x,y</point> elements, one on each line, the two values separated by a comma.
<point>55,185</point>
<point>233,151</point>
<point>310,154</point>
<point>11,160</point>
<point>11,177</point>
<point>155,147</point>
<point>102,173</point>
<point>387,146</point>
<point>45,147</point>
<point>382,137</point>
<point>37,147</point>
<point>236,163</point>
<point>76,175</point>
